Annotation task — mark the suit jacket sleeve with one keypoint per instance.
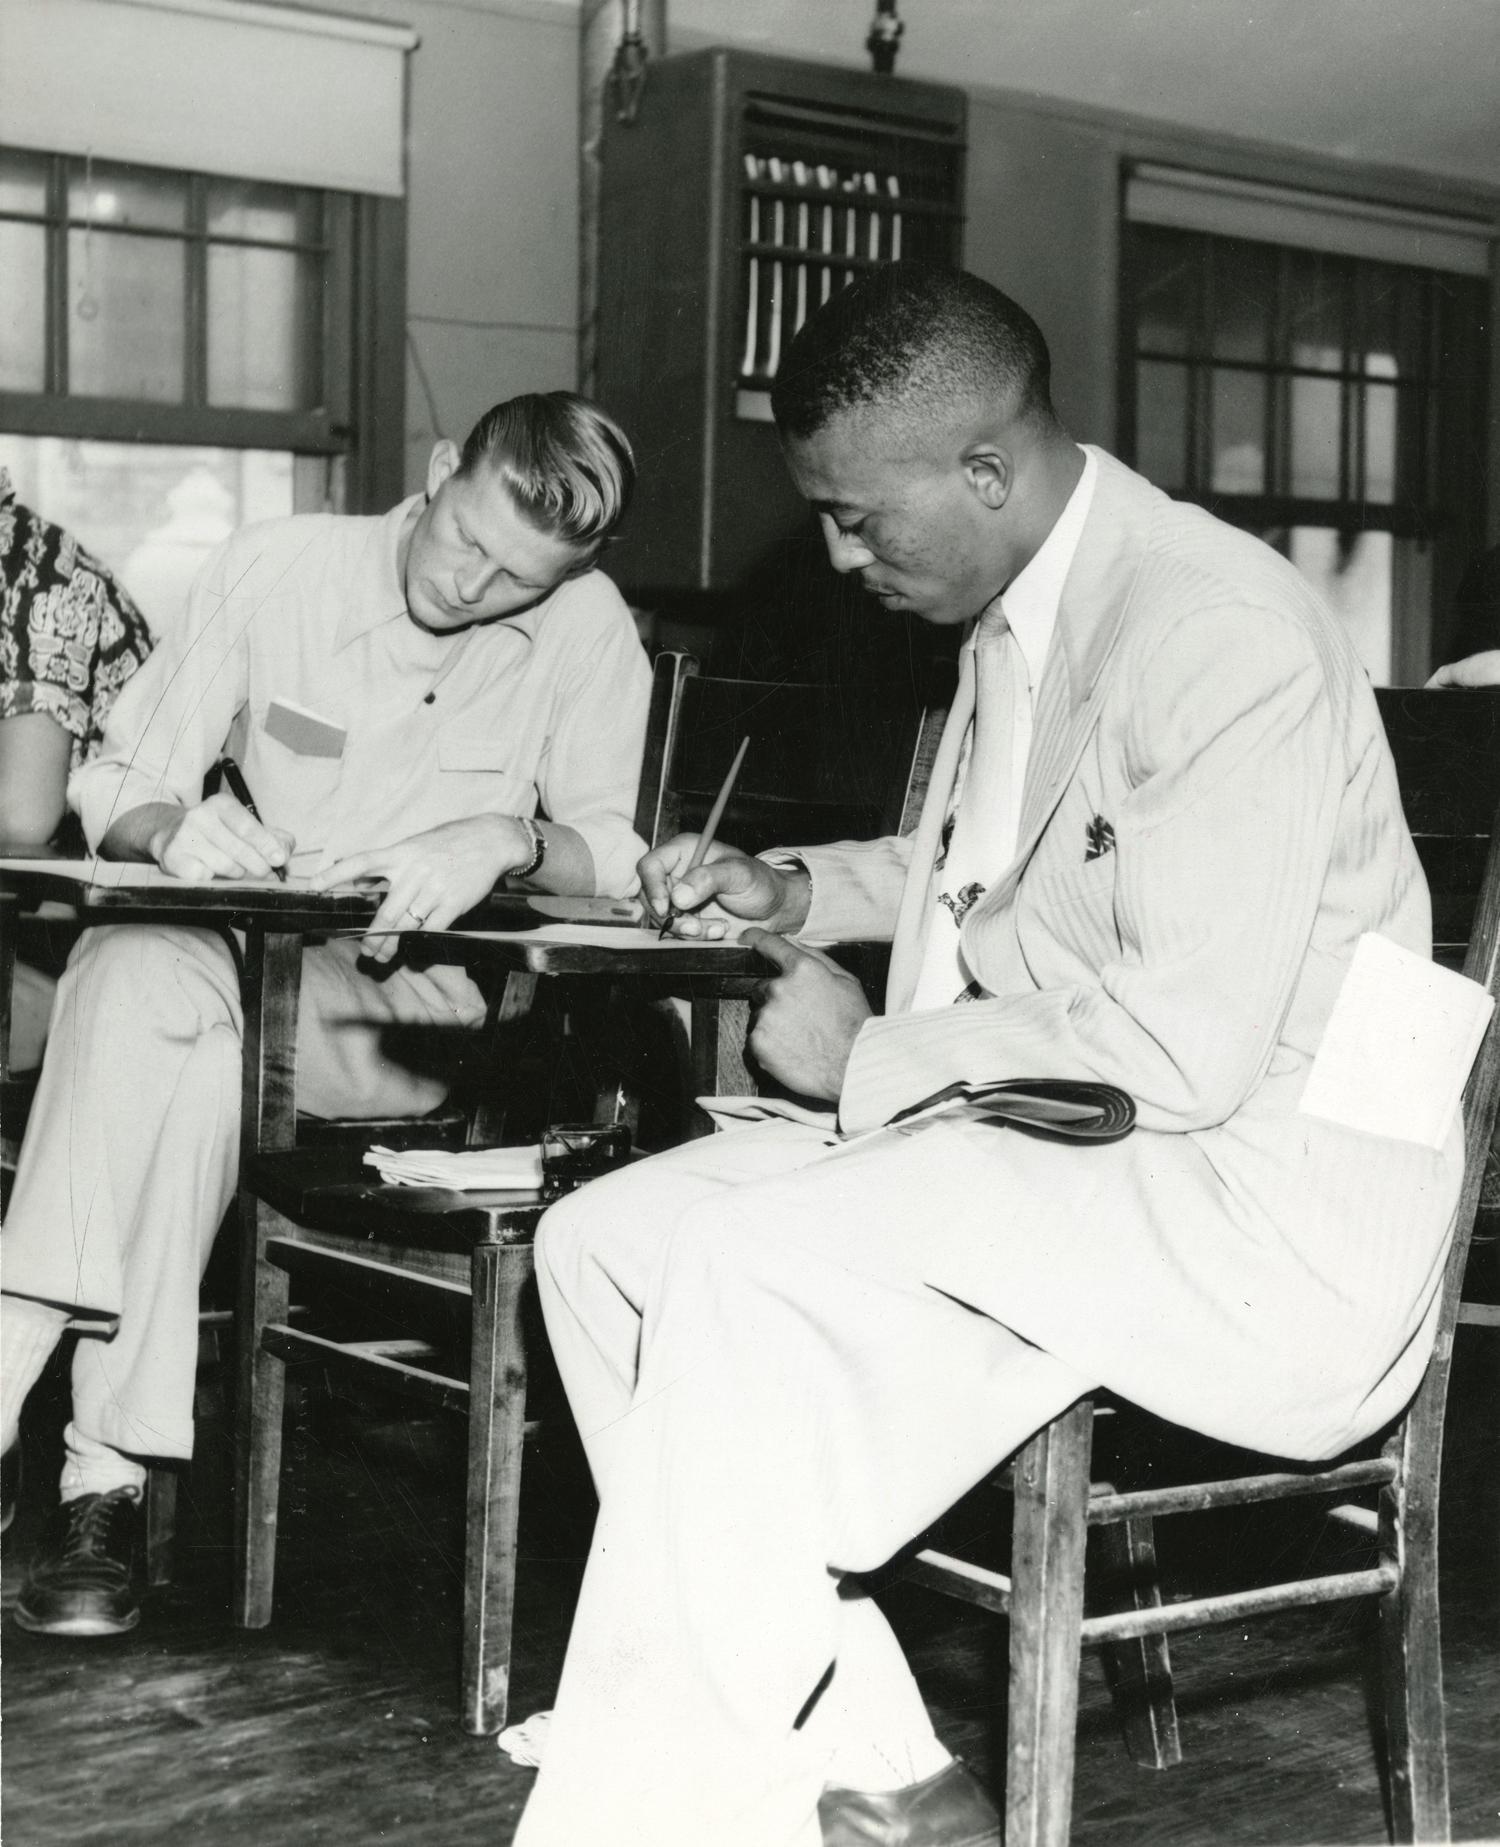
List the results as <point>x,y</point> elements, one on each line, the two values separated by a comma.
<point>1222,845</point>
<point>856,888</point>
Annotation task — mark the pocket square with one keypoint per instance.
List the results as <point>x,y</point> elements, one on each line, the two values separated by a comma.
<point>1101,839</point>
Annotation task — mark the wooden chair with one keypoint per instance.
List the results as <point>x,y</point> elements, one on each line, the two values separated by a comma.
<point>312,1214</point>
<point>1055,1506</point>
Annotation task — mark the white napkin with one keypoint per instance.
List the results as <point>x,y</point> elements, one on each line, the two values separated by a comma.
<point>465,1170</point>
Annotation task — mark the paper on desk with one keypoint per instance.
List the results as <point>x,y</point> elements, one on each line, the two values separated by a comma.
<point>141,875</point>
<point>464,1170</point>
<point>1398,1045</point>
<point>594,936</point>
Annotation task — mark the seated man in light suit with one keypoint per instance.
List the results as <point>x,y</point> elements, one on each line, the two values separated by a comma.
<point>1174,813</point>
<point>407,695</point>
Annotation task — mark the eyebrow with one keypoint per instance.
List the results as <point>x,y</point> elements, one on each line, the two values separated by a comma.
<point>521,583</point>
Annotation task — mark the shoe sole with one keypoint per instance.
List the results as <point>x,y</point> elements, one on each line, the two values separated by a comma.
<point>76,1625</point>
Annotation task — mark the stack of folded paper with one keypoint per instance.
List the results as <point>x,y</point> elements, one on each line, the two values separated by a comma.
<point>467,1170</point>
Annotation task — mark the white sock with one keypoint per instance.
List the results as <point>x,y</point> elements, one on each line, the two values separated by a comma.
<point>92,1467</point>
<point>29,1330</point>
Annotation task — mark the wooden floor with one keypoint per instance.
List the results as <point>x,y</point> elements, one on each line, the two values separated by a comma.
<point>337,1725</point>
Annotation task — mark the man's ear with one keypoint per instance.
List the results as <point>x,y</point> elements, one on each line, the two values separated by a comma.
<point>990,473</point>
<point>442,463</point>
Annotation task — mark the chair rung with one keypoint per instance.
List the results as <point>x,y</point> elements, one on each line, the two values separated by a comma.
<point>288,1343</point>
<point>1364,1520</point>
<point>957,1577</point>
<point>286,1251</point>
<point>1243,1490</point>
<point>1479,1314</point>
<point>391,1349</point>
<point>1201,1612</point>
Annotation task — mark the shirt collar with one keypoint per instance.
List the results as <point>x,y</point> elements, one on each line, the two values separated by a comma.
<point>1032,598</point>
<point>374,592</point>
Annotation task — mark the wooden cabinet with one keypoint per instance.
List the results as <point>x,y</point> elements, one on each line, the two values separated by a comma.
<point>746,190</point>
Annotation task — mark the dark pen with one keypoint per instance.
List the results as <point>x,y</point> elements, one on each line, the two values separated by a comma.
<point>240,790</point>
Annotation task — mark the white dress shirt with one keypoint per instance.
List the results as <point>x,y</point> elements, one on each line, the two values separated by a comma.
<point>1030,603</point>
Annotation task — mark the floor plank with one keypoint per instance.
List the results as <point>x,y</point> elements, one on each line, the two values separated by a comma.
<point>338,1724</point>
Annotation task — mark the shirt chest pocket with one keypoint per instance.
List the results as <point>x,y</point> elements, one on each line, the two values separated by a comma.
<point>490,761</point>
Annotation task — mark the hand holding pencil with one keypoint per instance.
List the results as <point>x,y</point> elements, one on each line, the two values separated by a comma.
<point>699,886</point>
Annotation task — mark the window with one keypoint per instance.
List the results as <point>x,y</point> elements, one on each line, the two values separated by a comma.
<point>1333,403</point>
<point>154,511</point>
<point>183,352</point>
<point>149,304</point>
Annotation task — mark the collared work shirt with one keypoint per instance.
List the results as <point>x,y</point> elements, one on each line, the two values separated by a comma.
<point>543,711</point>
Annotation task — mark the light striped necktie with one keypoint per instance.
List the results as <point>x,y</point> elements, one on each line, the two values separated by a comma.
<point>989,809</point>
<point>986,822</point>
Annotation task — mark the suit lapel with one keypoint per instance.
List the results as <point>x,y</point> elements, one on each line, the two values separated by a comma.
<point>1090,617</point>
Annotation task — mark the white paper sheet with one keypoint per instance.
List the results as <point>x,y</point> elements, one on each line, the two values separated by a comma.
<point>1398,1045</point>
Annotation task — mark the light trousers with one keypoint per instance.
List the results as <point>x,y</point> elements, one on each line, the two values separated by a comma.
<point>773,1391</point>
<point>131,1152</point>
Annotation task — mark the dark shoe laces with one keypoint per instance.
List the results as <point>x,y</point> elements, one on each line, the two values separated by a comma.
<point>92,1521</point>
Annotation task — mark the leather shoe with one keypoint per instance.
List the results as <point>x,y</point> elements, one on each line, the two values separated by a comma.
<point>83,1579</point>
<point>947,1809</point>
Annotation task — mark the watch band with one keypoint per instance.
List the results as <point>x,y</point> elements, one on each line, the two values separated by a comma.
<point>538,849</point>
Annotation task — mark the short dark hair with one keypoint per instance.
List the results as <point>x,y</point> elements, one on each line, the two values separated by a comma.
<point>918,339</point>
<point>568,464</point>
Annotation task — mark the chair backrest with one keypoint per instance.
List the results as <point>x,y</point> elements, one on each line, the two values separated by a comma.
<point>1447,750</point>
<point>807,776</point>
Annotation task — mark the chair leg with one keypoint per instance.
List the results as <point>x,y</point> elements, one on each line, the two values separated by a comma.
<point>1412,1664</point>
<point>261,1400</point>
<point>1140,1671</point>
<point>497,1422</point>
<point>1046,1616</point>
<point>161,1524</point>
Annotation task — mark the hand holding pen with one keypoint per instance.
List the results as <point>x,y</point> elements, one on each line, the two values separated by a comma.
<point>234,781</point>
<point>706,838</point>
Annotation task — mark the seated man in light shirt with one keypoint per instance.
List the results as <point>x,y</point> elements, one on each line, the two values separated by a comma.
<point>442,697</point>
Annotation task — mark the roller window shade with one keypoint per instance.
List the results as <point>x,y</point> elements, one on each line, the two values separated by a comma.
<point>212,86</point>
<point>1187,201</point>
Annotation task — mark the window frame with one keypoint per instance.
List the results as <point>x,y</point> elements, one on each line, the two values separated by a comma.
<point>1437,501</point>
<point>359,331</point>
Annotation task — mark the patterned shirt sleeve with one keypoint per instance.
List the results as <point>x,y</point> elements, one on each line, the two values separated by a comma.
<point>70,634</point>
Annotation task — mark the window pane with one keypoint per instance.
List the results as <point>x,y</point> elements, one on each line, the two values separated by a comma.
<point>273,214</point>
<point>1352,572</point>
<point>1239,464</point>
<point>1315,310</point>
<point>126,316</point>
<point>1244,299</point>
<point>261,321</point>
<point>23,183</point>
<point>1167,290</point>
<point>124,196</point>
<point>1161,423</point>
<point>151,512</point>
<point>1380,443</point>
<point>1315,438</point>
<point>23,317</point>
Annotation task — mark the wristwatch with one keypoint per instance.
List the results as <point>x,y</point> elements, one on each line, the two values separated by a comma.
<point>538,849</point>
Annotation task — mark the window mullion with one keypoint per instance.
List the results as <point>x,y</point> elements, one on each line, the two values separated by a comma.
<point>56,371</point>
<point>195,305</point>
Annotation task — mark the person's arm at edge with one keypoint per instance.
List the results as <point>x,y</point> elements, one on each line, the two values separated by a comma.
<point>589,776</point>
<point>34,755</point>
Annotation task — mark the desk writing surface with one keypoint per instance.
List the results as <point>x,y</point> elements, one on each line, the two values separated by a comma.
<point>565,948</point>
<point>133,886</point>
